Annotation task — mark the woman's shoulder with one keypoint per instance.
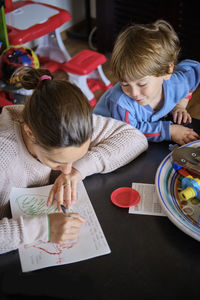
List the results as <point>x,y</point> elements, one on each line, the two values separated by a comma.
<point>9,115</point>
<point>8,136</point>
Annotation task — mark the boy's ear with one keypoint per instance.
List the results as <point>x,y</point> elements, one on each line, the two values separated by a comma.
<point>171,68</point>
<point>170,71</point>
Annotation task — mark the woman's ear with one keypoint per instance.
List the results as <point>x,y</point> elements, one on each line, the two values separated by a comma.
<point>29,132</point>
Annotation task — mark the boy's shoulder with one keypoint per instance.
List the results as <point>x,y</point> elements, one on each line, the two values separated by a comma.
<point>187,64</point>
<point>114,92</point>
<point>185,78</point>
<point>187,72</point>
<point>117,96</point>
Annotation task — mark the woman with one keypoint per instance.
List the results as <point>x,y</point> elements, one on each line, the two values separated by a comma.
<point>55,131</point>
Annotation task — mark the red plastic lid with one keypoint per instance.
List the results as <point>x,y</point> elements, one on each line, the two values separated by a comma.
<point>125,197</point>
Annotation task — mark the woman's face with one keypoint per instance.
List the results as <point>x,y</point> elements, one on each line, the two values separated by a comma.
<point>57,158</point>
<point>60,158</point>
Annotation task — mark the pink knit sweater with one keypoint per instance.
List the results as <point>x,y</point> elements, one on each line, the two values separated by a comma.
<point>113,145</point>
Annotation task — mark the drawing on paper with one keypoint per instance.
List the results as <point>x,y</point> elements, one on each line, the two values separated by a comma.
<point>56,250</point>
<point>34,204</point>
<point>40,254</point>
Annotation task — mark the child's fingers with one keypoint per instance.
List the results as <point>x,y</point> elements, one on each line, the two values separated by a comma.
<point>185,118</point>
<point>191,132</point>
<point>179,118</point>
<point>195,136</point>
<point>175,116</point>
<point>189,118</point>
<point>191,136</point>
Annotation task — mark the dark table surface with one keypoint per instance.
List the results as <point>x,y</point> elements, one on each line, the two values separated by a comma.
<point>150,257</point>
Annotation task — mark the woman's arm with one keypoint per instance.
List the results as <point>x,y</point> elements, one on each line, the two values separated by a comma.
<point>24,230</point>
<point>113,144</point>
<point>57,228</point>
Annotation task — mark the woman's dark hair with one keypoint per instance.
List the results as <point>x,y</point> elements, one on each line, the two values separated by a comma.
<point>57,112</point>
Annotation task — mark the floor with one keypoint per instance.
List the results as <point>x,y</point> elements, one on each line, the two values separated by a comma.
<point>74,46</point>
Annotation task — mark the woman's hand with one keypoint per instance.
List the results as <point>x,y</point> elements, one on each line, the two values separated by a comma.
<point>64,189</point>
<point>64,227</point>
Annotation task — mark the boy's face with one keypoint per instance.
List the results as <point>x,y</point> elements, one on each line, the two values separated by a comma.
<point>147,90</point>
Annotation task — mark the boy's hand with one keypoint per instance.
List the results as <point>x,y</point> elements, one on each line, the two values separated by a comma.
<point>182,135</point>
<point>180,115</point>
<point>64,189</point>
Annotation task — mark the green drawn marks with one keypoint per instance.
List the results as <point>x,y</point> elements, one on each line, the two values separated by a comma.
<point>34,204</point>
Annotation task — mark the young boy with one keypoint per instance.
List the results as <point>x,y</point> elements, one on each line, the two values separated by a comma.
<point>150,85</point>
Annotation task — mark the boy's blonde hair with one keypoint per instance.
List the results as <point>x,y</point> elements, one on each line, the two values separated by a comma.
<point>145,50</point>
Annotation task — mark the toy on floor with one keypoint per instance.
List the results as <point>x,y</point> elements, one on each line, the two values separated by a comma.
<point>15,57</point>
<point>84,69</point>
<point>11,59</point>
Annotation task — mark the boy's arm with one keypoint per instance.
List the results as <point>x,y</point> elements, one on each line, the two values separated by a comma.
<point>183,102</point>
<point>154,131</point>
<point>166,130</point>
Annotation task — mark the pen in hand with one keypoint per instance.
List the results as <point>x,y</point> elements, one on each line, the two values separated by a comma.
<point>67,212</point>
<point>64,210</point>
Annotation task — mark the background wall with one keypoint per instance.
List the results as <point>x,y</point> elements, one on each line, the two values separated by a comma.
<point>114,15</point>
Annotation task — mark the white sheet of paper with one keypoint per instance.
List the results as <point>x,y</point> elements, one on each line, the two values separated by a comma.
<point>91,241</point>
<point>149,203</point>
